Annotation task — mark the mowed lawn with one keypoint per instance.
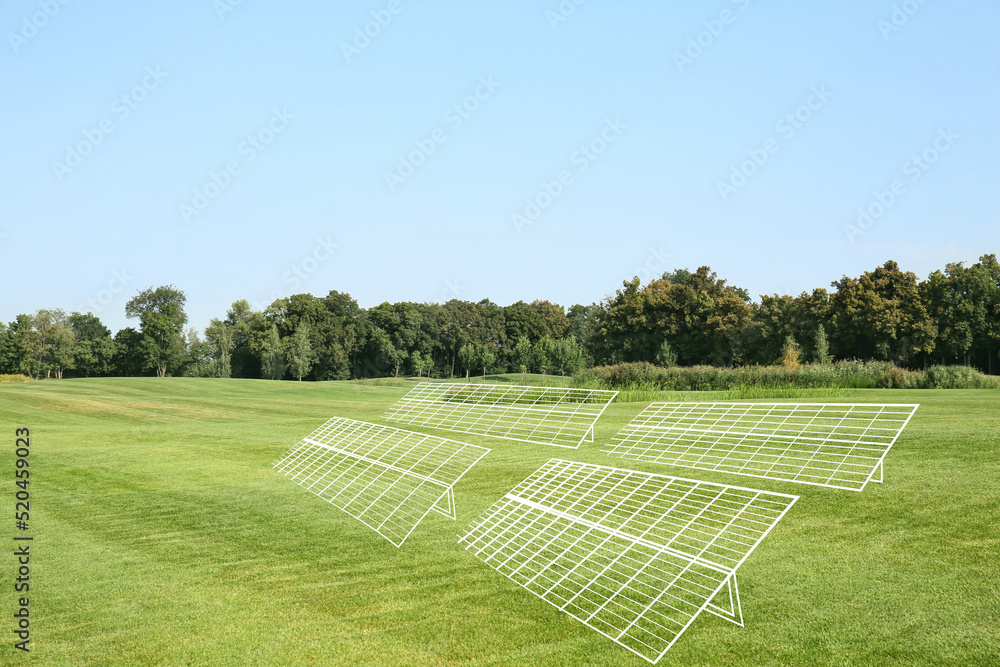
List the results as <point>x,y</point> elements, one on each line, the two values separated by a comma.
<point>164,537</point>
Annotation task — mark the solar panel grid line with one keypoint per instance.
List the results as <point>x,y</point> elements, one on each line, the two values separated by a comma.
<point>377,476</point>
<point>513,537</point>
<point>502,415</point>
<point>692,520</point>
<point>616,636</point>
<point>578,536</point>
<point>872,473</point>
<point>834,445</point>
<point>537,507</point>
<point>547,415</point>
<point>364,514</point>
<point>735,613</point>
<point>558,431</point>
<point>387,489</point>
<point>785,452</point>
<point>639,539</point>
<point>401,528</point>
<point>385,477</point>
<point>701,553</point>
<point>597,574</point>
<point>816,453</point>
<point>644,568</point>
<point>852,451</point>
<point>688,429</point>
<point>594,589</point>
<point>610,533</point>
<point>376,462</point>
<point>537,400</point>
<point>390,513</point>
<point>408,496</point>
<point>682,529</point>
<point>648,502</point>
<point>724,485</point>
<point>654,601</point>
<point>371,464</point>
<point>312,467</point>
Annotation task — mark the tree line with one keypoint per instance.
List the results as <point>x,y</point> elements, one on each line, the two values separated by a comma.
<point>682,318</point>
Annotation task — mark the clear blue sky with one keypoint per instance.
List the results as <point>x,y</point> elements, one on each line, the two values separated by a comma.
<point>118,113</point>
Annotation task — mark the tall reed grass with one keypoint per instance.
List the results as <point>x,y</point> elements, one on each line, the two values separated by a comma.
<point>757,381</point>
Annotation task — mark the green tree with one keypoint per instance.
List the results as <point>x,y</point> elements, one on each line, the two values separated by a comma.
<point>162,318</point>
<point>95,348</point>
<point>568,356</point>
<point>880,315</point>
<point>486,358</point>
<point>521,355</point>
<point>63,350</point>
<point>200,362</point>
<point>248,329</point>
<point>778,317</point>
<point>467,358</point>
<point>963,303</point>
<point>272,361</point>
<point>544,354</point>
<point>405,325</point>
<point>301,352</point>
<point>665,356</point>
<point>5,337</point>
<point>706,320</point>
<point>987,339</point>
<point>133,352</point>
<point>349,326</point>
<point>24,345</point>
<point>20,346</point>
<point>220,339</point>
<point>461,322</point>
<point>554,317</point>
<point>56,343</point>
<point>522,320</point>
<point>421,363</point>
<point>336,330</point>
<point>821,355</point>
<point>584,324</point>
<point>790,353</point>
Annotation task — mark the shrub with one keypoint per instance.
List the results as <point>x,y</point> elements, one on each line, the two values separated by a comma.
<point>851,374</point>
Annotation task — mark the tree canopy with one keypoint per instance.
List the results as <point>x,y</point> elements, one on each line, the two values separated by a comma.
<point>683,317</point>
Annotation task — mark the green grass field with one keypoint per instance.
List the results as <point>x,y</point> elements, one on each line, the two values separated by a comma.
<point>163,537</point>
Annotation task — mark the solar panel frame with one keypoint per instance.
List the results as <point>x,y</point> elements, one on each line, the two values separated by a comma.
<point>635,556</point>
<point>386,478</point>
<point>557,416</point>
<point>834,445</point>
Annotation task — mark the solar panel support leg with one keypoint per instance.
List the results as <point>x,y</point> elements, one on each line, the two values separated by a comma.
<point>448,507</point>
<point>734,614</point>
<point>877,473</point>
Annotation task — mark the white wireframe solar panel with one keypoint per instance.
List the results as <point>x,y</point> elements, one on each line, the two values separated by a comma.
<point>633,555</point>
<point>385,477</point>
<point>840,446</point>
<point>544,415</point>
